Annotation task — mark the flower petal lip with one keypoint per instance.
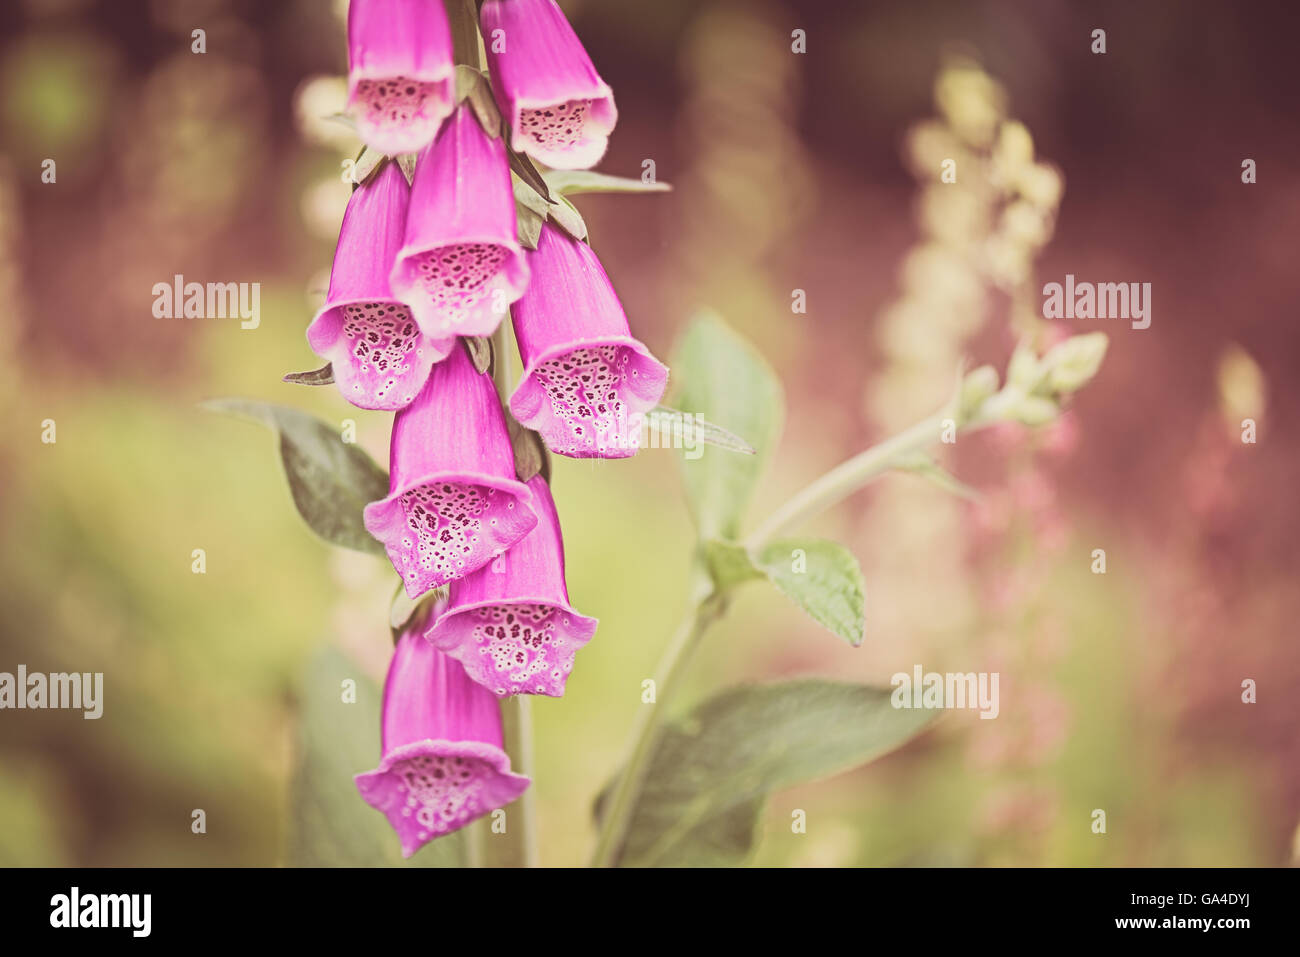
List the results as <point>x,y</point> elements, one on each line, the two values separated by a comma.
<point>559,109</point>
<point>380,358</point>
<point>454,502</point>
<point>443,762</point>
<point>383,788</point>
<point>512,626</point>
<point>570,316</point>
<point>400,72</point>
<point>643,386</point>
<point>460,265</point>
<point>391,381</point>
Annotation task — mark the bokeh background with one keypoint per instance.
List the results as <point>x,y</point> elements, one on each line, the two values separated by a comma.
<point>814,172</point>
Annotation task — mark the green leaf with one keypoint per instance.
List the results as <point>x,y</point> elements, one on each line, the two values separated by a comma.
<point>322,376</point>
<point>480,352</point>
<point>723,378</point>
<point>670,422</point>
<point>568,182</point>
<point>529,225</point>
<point>407,161</point>
<point>472,85</point>
<point>405,612</point>
<point>528,197</point>
<point>712,772</point>
<point>565,215</point>
<point>523,167</point>
<point>822,578</point>
<point>560,211</point>
<point>331,481</point>
<point>367,164</point>
<point>531,455</point>
<point>329,823</point>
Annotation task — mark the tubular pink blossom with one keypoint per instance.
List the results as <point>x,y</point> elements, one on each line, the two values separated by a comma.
<point>380,356</point>
<point>443,760</point>
<point>510,623</point>
<point>559,109</point>
<point>454,502</point>
<point>461,265</point>
<point>586,379</point>
<point>400,72</point>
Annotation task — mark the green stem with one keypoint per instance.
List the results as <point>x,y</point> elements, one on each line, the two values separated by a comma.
<point>462,17</point>
<point>518,846</point>
<point>846,478</point>
<point>645,730</point>
<point>475,835</point>
<point>837,484</point>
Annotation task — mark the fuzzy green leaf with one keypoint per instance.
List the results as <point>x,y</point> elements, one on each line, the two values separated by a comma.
<point>824,579</point>
<point>723,378</point>
<point>571,182</point>
<point>331,481</point>
<point>565,215</point>
<point>674,425</point>
<point>712,772</point>
<point>529,225</point>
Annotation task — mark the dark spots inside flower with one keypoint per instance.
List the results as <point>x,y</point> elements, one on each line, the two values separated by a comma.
<point>556,128</point>
<point>458,280</point>
<point>443,793</point>
<point>447,520</point>
<point>583,389</point>
<point>381,347</point>
<point>521,648</point>
<point>393,103</point>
